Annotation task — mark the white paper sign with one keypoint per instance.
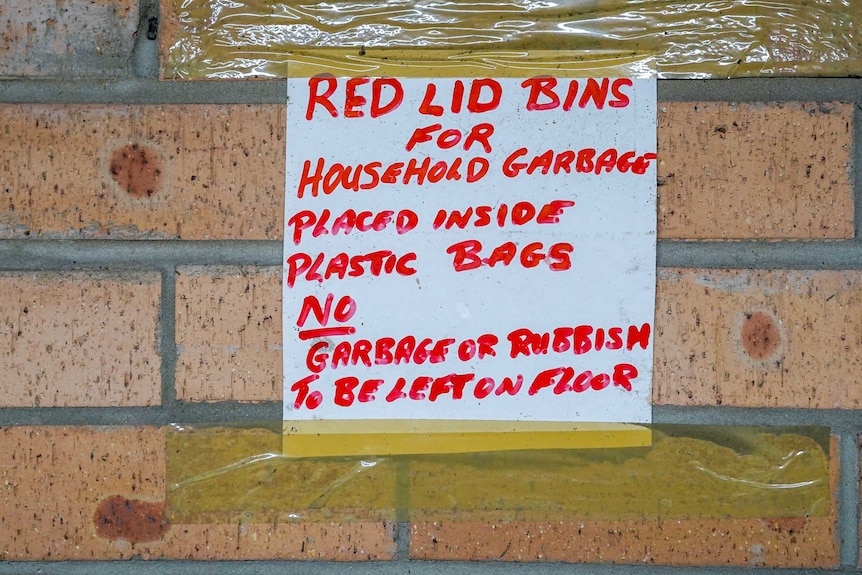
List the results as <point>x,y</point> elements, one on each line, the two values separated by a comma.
<point>470,248</point>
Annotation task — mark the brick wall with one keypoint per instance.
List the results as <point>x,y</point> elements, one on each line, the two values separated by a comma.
<point>140,239</point>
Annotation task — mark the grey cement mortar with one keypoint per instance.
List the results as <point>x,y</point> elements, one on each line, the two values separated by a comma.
<point>156,254</point>
<point>149,90</point>
<point>848,498</point>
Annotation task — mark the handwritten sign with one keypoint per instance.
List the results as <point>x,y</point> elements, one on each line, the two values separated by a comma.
<point>469,248</point>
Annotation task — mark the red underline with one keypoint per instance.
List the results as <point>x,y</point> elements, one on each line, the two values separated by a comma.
<point>326,332</point>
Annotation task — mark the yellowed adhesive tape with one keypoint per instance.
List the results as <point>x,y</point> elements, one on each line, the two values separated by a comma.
<point>450,63</point>
<point>234,474</point>
<point>261,38</point>
<point>398,437</point>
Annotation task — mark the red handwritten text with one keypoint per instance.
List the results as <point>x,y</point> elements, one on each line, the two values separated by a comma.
<point>369,176</point>
<point>543,94</point>
<point>520,213</point>
<point>321,88</point>
<point>475,102</point>
<point>577,340</point>
<point>455,386</point>
<point>467,255</point>
<point>451,137</point>
<point>349,220</point>
<point>387,350</point>
<point>585,161</point>
<point>381,262</point>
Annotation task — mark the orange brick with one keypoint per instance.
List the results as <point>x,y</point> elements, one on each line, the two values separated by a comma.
<point>217,172</point>
<point>758,338</point>
<point>228,332</point>
<point>54,478</point>
<point>189,172</point>
<point>792,542</point>
<point>732,171</point>
<point>773,542</point>
<point>85,339</point>
<point>73,38</point>
<point>98,493</point>
<point>348,541</point>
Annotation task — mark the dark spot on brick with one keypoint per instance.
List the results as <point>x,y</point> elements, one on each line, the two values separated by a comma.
<point>760,337</point>
<point>137,170</point>
<point>131,520</point>
<point>786,524</point>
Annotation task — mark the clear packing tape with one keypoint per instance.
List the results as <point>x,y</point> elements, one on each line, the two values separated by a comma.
<point>236,474</point>
<point>686,39</point>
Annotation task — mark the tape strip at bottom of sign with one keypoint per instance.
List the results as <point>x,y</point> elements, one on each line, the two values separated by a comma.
<point>242,475</point>
<point>317,438</point>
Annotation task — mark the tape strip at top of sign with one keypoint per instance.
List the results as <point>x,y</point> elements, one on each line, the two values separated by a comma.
<point>469,256</point>
<point>447,63</point>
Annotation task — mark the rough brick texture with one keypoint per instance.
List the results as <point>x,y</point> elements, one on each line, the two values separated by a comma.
<point>74,38</point>
<point>79,339</point>
<point>733,171</point>
<point>186,172</point>
<point>789,542</point>
<point>228,332</point>
<point>98,493</point>
<point>217,172</point>
<point>758,338</point>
